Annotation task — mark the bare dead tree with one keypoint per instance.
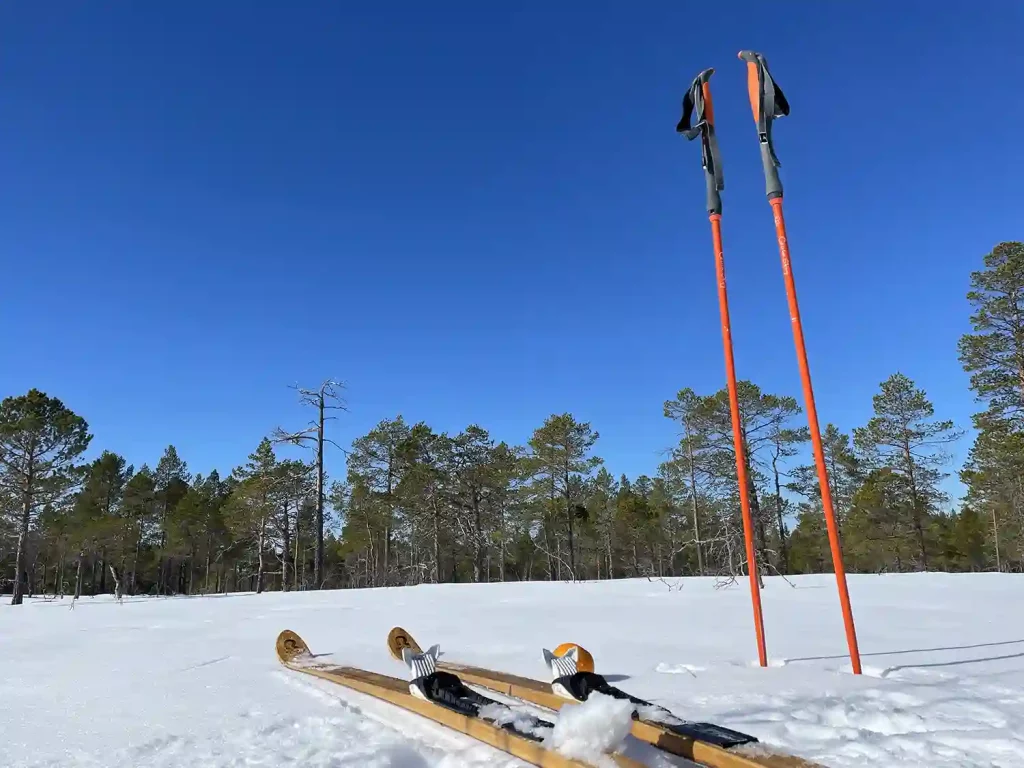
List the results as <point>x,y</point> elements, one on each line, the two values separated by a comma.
<point>118,589</point>
<point>326,398</point>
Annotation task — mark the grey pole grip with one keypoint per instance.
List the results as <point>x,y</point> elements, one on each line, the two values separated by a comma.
<point>772,182</point>
<point>714,199</point>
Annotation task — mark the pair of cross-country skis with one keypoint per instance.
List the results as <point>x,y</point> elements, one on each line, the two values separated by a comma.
<point>441,691</point>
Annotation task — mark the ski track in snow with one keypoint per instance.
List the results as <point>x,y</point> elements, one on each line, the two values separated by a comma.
<point>167,682</point>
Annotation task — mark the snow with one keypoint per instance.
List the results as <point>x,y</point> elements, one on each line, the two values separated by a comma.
<point>195,681</point>
<point>597,726</point>
<point>500,714</point>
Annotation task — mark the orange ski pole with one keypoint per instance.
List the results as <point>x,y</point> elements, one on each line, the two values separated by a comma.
<point>698,101</point>
<point>768,102</point>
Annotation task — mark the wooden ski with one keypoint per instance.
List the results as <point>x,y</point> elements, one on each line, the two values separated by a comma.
<point>294,654</point>
<point>753,755</point>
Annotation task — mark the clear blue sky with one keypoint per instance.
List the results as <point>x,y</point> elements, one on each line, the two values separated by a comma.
<point>480,212</point>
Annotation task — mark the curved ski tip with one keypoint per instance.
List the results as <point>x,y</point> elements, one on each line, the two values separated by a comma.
<point>398,639</point>
<point>290,646</point>
<point>584,659</point>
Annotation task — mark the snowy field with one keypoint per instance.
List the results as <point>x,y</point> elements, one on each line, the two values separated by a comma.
<point>195,682</point>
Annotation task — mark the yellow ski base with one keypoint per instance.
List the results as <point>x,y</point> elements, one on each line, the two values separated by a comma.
<point>293,652</point>
<point>540,693</point>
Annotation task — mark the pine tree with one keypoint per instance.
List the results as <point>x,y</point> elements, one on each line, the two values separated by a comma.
<point>969,539</point>
<point>845,476</point>
<point>249,511</point>
<point>172,483</point>
<point>376,465</point>
<point>994,353</point>
<point>880,532</point>
<point>140,508</point>
<point>561,454</point>
<point>40,441</point>
<point>601,496</point>
<point>96,517</point>
<point>297,482</point>
<point>994,356</point>
<point>903,437</point>
<point>690,458</point>
<point>993,475</point>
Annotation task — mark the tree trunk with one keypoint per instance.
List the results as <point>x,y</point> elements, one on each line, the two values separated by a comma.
<point>501,562</point>
<point>298,535</point>
<point>30,582</point>
<point>103,571</point>
<point>318,565</point>
<point>132,586</point>
<point>259,568</point>
<point>60,577</point>
<point>206,582</point>
<point>78,575</point>
<point>995,536</point>
<point>437,540</point>
<point>783,547</point>
<point>118,594</point>
<point>285,550</point>
<point>26,515</point>
<point>610,573</point>
<point>569,516</point>
<point>693,494</point>
<point>838,505</point>
<point>551,514</point>
<point>46,567</point>
<point>390,517</point>
<point>478,549</point>
<point>915,500</point>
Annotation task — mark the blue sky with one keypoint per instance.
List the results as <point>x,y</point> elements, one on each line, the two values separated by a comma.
<point>480,212</point>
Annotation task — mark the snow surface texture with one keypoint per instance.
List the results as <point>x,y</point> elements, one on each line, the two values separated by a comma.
<point>176,682</point>
<point>589,730</point>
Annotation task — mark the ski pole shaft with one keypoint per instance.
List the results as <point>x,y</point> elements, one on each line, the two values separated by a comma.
<point>697,104</point>
<point>737,438</point>
<point>812,422</point>
<point>767,102</point>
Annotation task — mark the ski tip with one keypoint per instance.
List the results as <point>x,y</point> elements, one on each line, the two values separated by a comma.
<point>290,646</point>
<point>398,639</point>
<point>584,661</point>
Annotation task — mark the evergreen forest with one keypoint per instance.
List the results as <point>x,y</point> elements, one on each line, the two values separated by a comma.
<point>417,505</point>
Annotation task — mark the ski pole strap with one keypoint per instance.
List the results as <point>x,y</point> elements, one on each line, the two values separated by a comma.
<point>767,101</point>
<point>697,103</point>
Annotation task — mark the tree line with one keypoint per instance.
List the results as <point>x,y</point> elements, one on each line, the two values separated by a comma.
<point>417,505</point>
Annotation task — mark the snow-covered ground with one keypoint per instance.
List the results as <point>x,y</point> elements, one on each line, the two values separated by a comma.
<point>195,682</point>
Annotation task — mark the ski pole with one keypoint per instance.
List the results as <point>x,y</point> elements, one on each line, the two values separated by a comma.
<point>767,103</point>
<point>698,102</point>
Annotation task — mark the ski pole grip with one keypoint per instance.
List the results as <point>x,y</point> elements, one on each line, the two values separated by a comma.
<point>755,91</point>
<point>753,84</point>
<point>772,182</point>
<point>714,198</point>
